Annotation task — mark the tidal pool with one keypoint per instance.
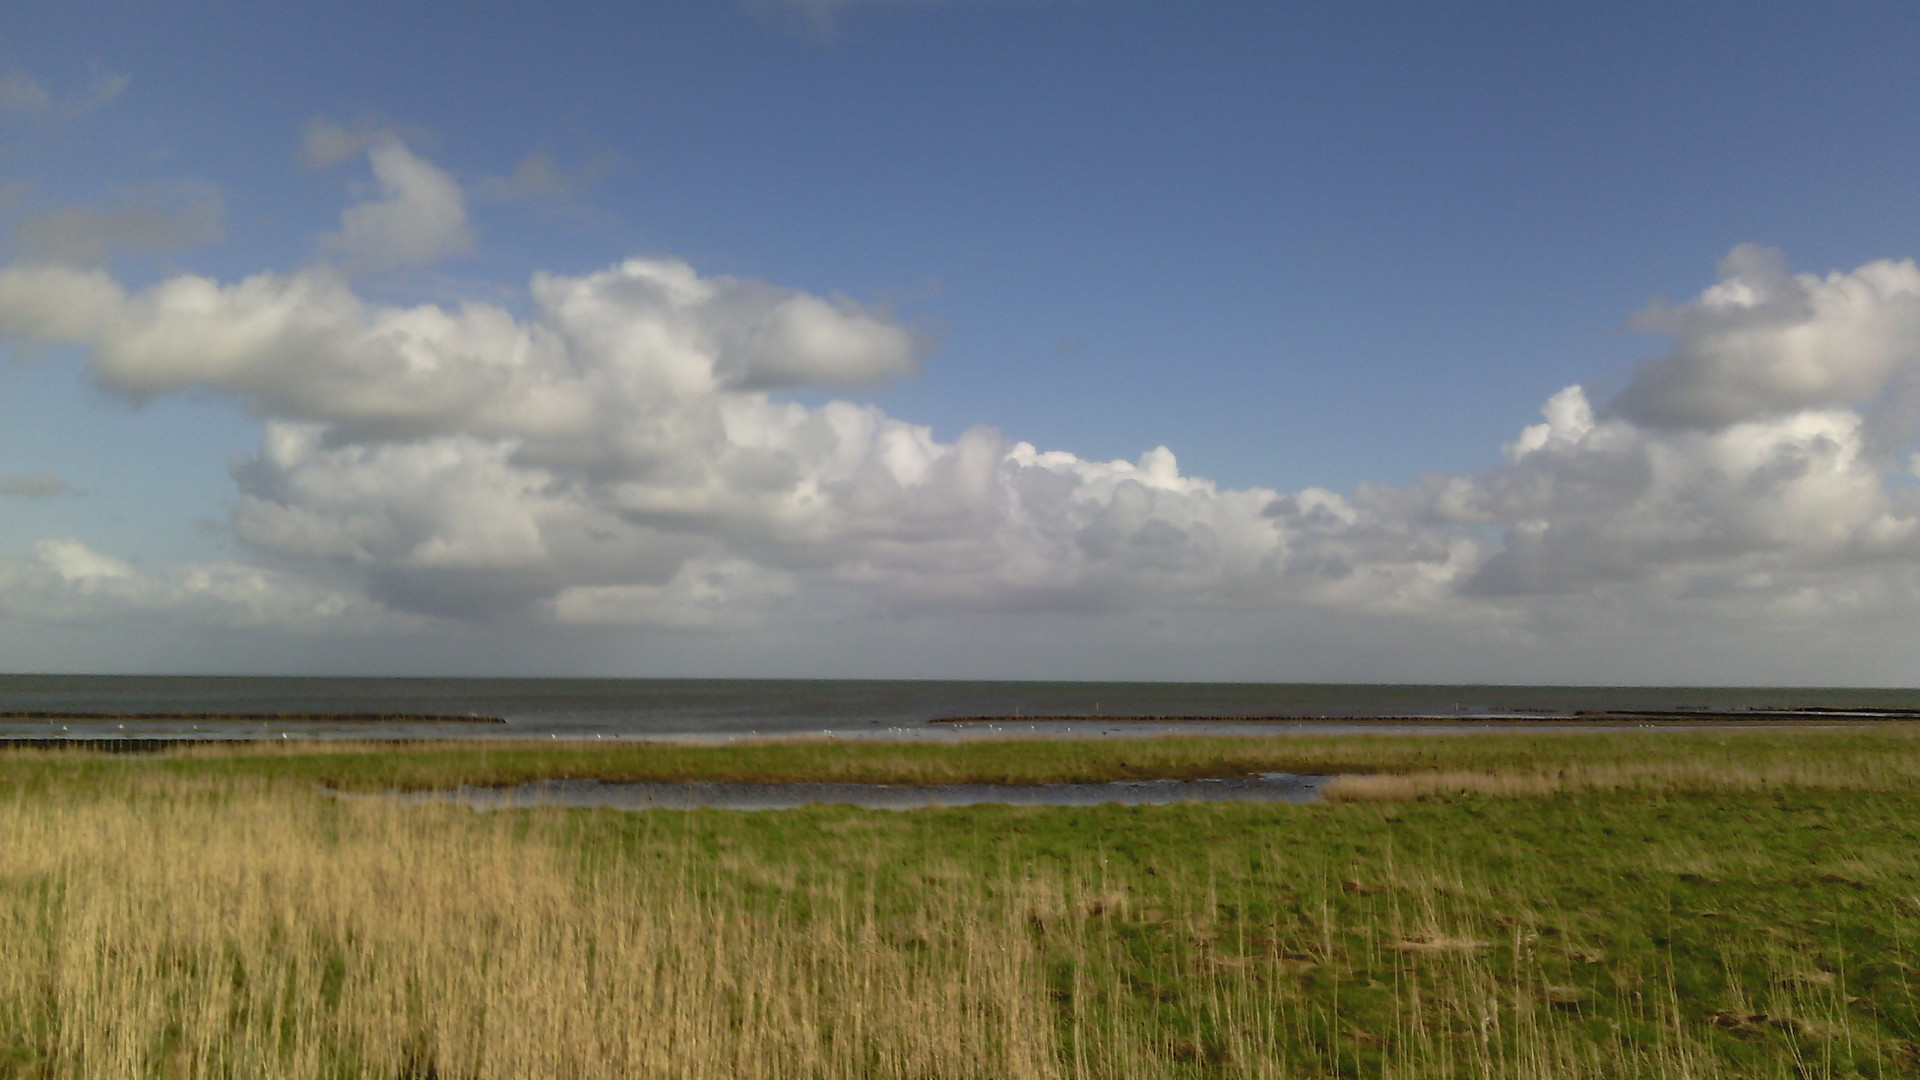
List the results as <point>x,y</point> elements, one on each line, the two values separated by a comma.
<point>694,795</point>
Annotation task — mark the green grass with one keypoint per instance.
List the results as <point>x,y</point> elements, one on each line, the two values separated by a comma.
<point>1883,750</point>
<point>1678,928</point>
<point>1759,933</point>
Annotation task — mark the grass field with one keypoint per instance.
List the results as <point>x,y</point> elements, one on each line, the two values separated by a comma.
<point>1637,904</point>
<point>1878,756</point>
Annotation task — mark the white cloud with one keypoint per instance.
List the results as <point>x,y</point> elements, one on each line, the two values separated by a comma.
<point>618,455</point>
<point>466,462</point>
<point>1765,342</point>
<point>66,581</point>
<point>57,303</point>
<point>417,215</point>
<point>1618,502</point>
<point>705,593</point>
<point>72,562</point>
<point>1756,455</point>
<point>646,338</point>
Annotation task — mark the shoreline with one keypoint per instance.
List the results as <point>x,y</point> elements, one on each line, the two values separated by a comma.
<point>251,717</point>
<point>1594,717</point>
<point>957,731</point>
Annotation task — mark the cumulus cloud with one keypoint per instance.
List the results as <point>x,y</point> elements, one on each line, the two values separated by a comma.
<point>645,340</point>
<point>1755,456</point>
<point>67,581</point>
<point>1766,342</point>
<point>620,445</point>
<point>1591,501</point>
<point>619,453</point>
<point>417,213</point>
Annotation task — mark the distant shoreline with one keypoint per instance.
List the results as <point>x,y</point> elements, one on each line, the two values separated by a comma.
<point>257,717</point>
<point>1588,716</point>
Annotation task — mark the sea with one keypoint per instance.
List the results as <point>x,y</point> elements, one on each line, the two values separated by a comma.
<point>101,707</point>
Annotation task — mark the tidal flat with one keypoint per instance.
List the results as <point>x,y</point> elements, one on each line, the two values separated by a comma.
<point>1669,903</point>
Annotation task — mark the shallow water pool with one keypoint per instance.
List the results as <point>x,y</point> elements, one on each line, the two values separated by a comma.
<point>1267,787</point>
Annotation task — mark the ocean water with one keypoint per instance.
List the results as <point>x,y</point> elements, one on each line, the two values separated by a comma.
<point>724,709</point>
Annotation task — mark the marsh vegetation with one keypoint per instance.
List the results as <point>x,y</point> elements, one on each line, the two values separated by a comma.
<point>1689,905</point>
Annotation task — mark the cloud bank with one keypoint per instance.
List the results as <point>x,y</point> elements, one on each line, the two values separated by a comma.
<point>67,580</point>
<point>620,453</point>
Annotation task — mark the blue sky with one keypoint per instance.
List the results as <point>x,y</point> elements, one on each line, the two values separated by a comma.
<point>1350,250</point>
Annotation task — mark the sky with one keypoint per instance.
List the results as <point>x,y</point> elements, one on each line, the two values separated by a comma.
<point>981,338</point>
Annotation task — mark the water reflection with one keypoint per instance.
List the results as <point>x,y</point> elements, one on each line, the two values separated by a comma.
<point>1267,787</point>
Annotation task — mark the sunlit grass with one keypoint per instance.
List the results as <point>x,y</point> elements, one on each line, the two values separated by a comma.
<point>251,933</point>
<point>217,916</point>
<point>1862,757</point>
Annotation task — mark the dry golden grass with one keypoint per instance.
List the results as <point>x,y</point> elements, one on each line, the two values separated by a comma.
<point>259,934</point>
<point>160,926</point>
<point>1865,771</point>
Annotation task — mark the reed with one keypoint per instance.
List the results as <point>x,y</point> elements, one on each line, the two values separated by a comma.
<point>249,933</point>
<point>160,925</point>
<point>1850,772</point>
